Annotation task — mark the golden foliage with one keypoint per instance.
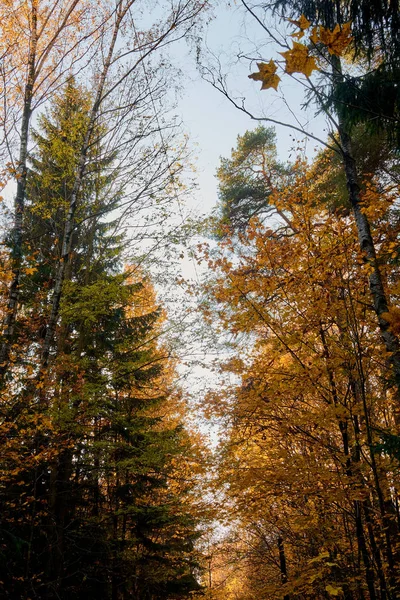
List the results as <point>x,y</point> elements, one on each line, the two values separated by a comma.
<point>297,464</point>
<point>337,40</point>
<point>298,60</point>
<point>267,75</point>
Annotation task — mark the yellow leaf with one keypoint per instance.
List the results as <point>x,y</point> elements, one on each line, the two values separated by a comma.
<point>340,39</point>
<point>337,41</point>
<point>267,74</point>
<point>30,270</point>
<point>302,23</point>
<point>298,60</point>
<point>333,591</point>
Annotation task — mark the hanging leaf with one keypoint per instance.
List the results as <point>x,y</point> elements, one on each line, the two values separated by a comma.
<point>267,74</point>
<point>298,60</point>
<point>337,40</point>
<point>302,23</point>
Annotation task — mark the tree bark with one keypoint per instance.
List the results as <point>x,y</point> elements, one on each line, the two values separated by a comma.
<point>378,294</point>
<point>70,219</point>
<point>282,564</point>
<point>19,203</point>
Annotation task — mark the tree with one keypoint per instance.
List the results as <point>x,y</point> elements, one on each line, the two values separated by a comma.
<point>247,180</point>
<point>33,35</point>
<point>301,465</point>
<point>124,88</point>
<point>321,49</point>
<point>98,506</point>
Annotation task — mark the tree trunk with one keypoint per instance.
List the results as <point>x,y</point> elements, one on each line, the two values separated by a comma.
<point>19,203</point>
<point>378,294</point>
<point>69,223</point>
<point>282,564</point>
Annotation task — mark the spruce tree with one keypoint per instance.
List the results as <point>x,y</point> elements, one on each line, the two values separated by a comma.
<point>95,511</point>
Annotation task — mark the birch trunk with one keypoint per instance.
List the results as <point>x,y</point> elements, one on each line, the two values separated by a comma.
<point>70,219</point>
<point>19,203</point>
<point>378,294</point>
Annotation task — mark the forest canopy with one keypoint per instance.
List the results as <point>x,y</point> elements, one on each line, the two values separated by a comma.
<point>277,478</point>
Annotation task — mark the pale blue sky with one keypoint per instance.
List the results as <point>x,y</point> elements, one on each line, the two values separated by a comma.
<point>211,121</point>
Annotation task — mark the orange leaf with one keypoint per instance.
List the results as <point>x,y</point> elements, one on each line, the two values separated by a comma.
<point>267,74</point>
<point>298,60</point>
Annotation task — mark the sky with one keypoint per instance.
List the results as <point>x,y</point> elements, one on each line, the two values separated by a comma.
<point>211,122</point>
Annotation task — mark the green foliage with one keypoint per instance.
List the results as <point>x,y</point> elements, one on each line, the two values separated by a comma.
<point>248,178</point>
<point>94,510</point>
<point>373,100</point>
<point>389,445</point>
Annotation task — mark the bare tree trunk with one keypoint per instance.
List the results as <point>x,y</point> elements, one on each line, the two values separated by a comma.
<point>69,223</point>
<point>19,203</point>
<point>367,245</point>
<point>282,564</point>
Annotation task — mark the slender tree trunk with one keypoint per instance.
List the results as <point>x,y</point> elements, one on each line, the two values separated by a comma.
<point>282,564</point>
<point>70,219</point>
<point>378,294</point>
<point>19,202</point>
<point>369,573</point>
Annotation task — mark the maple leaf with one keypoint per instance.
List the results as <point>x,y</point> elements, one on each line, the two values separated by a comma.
<point>336,40</point>
<point>340,39</point>
<point>302,23</point>
<point>298,60</point>
<point>267,74</point>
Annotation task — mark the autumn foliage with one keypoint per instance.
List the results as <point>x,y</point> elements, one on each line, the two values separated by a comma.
<point>107,490</point>
<point>308,462</point>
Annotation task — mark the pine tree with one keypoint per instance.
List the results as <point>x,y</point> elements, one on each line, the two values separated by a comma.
<point>249,177</point>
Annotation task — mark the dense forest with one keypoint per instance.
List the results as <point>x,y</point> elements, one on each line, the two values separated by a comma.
<point>109,485</point>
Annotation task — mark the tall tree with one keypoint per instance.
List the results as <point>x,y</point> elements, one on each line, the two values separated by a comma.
<point>98,505</point>
<point>249,177</point>
<point>41,42</point>
<point>119,55</point>
<point>311,491</point>
<point>320,46</point>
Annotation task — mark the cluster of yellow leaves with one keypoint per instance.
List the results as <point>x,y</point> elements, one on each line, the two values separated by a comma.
<point>298,58</point>
<point>296,302</point>
<point>337,41</point>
